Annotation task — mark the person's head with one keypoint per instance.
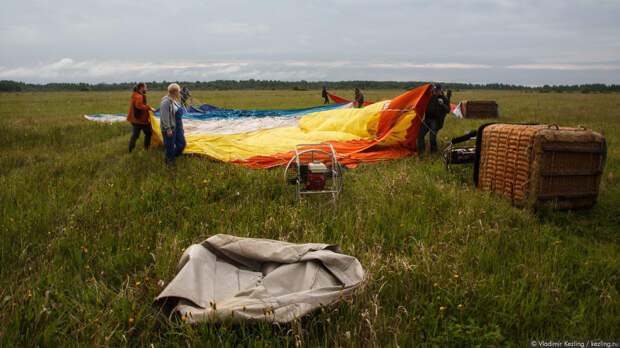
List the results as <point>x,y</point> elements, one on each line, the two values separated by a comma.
<point>140,87</point>
<point>184,86</point>
<point>437,89</point>
<point>356,90</point>
<point>174,90</point>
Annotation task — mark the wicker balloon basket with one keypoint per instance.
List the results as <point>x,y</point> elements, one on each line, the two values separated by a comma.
<point>541,163</point>
<point>480,109</point>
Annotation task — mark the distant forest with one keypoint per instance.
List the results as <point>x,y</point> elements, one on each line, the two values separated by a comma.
<point>222,85</point>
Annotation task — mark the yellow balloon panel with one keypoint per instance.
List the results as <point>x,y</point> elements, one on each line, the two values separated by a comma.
<point>332,125</point>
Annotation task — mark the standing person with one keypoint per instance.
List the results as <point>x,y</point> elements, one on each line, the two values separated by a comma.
<point>436,111</point>
<point>171,124</point>
<point>359,98</point>
<point>139,117</point>
<point>449,93</point>
<point>185,95</point>
<point>324,95</point>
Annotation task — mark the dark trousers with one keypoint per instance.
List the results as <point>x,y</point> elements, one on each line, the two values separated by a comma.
<point>146,128</point>
<point>433,125</point>
<point>173,145</point>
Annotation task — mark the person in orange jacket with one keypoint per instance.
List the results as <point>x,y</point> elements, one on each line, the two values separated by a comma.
<point>139,116</point>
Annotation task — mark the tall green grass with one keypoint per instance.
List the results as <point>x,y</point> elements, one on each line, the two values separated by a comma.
<point>90,233</point>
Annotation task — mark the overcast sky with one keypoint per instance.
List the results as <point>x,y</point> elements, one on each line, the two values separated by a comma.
<point>479,41</point>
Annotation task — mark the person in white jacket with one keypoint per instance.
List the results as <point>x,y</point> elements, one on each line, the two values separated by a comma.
<point>171,124</point>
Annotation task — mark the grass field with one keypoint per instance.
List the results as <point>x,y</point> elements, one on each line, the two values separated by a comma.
<point>90,233</point>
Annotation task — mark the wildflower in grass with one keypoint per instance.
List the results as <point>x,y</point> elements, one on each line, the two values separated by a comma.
<point>11,219</point>
<point>183,318</point>
<point>439,297</point>
<point>182,249</point>
<point>87,267</point>
<point>243,308</point>
<point>435,285</point>
<point>341,293</point>
<point>146,279</point>
<point>460,306</point>
<point>138,283</point>
<point>204,181</point>
<point>442,308</point>
<point>131,320</point>
<point>85,250</point>
<point>556,242</point>
<point>29,294</point>
<point>456,276</point>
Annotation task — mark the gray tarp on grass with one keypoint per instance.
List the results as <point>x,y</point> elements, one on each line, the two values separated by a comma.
<point>227,277</point>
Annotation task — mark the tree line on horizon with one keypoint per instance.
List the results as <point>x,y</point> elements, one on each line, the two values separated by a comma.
<point>17,86</point>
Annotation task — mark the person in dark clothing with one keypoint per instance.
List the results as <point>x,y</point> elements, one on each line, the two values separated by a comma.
<point>185,95</point>
<point>449,93</point>
<point>436,111</point>
<point>139,117</point>
<point>359,98</point>
<point>324,95</point>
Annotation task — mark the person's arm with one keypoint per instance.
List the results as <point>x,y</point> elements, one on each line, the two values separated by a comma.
<point>445,105</point>
<point>139,103</point>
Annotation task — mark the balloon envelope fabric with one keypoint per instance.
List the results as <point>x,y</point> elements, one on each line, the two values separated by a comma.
<point>265,138</point>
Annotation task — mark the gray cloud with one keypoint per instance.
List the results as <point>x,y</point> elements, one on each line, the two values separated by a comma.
<point>527,42</point>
